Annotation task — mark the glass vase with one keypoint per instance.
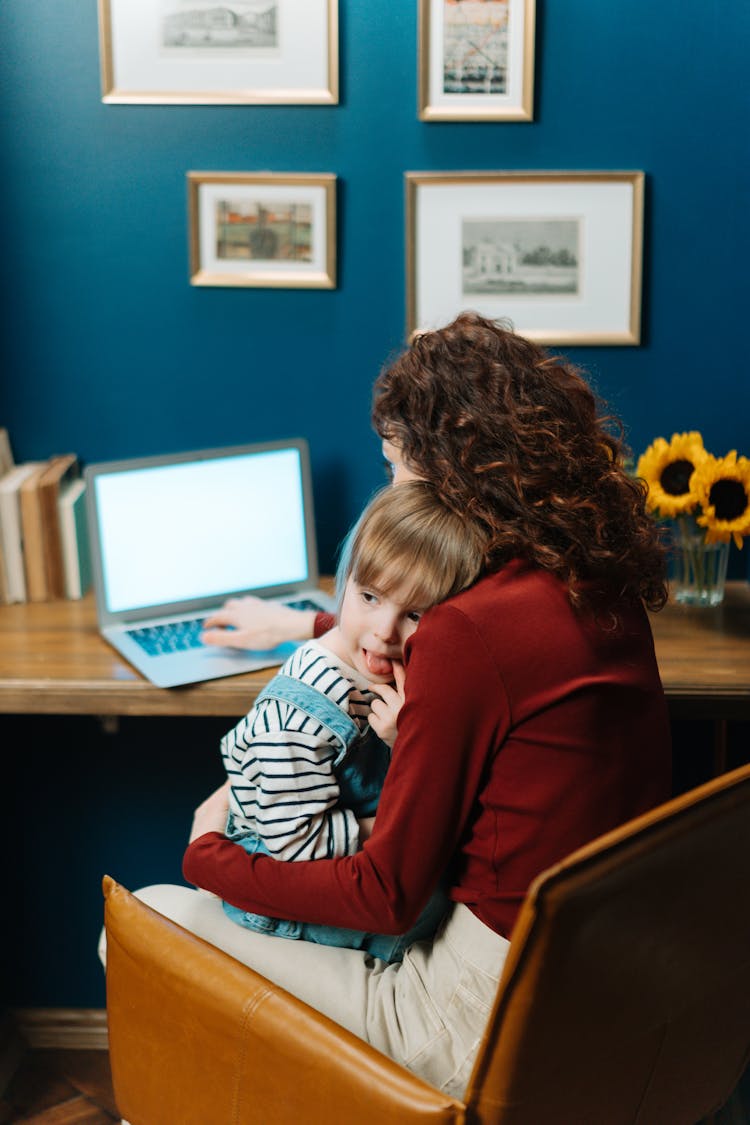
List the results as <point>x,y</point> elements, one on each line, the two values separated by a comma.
<point>698,570</point>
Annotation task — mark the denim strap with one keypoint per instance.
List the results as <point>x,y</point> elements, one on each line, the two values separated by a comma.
<point>317,706</point>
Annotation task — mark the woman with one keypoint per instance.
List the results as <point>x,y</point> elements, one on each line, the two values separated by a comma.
<point>531,720</point>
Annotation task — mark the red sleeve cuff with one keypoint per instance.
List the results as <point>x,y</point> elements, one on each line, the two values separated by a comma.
<point>323,622</point>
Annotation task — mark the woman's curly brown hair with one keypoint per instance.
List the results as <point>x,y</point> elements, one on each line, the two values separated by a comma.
<point>513,438</point>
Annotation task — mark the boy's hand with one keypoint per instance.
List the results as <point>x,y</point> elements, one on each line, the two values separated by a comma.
<point>366,825</point>
<point>387,704</point>
<point>211,816</point>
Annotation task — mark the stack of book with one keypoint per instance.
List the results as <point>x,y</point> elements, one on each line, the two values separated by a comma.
<point>44,548</point>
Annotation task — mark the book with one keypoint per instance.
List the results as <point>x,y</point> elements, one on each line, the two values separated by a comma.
<point>4,587</point>
<point>11,532</point>
<point>59,472</point>
<point>6,454</point>
<point>75,538</point>
<point>31,534</point>
<point>6,464</point>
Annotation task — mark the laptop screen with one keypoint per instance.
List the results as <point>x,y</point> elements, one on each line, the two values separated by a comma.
<point>200,527</point>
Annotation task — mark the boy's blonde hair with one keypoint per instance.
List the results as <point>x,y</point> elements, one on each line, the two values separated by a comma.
<point>407,537</point>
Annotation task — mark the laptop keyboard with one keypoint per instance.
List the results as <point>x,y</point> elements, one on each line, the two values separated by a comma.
<point>173,636</point>
<point>180,636</point>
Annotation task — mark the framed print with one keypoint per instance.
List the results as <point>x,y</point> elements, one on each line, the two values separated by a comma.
<point>558,254</point>
<point>263,230</point>
<point>196,52</point>
<point>476,60</point>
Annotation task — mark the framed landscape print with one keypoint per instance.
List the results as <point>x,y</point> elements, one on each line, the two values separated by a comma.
<point>262,229</point>
<point>194,52</point>
<point>558,254</point>
<point>476,60</point>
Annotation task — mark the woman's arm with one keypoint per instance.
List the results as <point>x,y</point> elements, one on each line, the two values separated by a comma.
<point>447,729</point>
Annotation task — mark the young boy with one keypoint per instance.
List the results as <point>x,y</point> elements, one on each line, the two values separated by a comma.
<point>305,769</point>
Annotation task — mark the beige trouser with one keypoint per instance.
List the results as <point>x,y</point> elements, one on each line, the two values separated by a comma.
<point>428,1012</point>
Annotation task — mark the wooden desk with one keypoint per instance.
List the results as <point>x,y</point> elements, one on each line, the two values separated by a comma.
<point>704,656</point>
<point>53,661</point>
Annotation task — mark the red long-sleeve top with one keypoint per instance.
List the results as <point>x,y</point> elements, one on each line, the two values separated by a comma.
<point>527,730</point>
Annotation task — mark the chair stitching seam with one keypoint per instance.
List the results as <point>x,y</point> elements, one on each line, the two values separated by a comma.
<point>247,1013</point>
<point>649,1080</point>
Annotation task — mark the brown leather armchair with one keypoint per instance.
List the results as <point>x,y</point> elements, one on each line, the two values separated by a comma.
<point>625,1001</point>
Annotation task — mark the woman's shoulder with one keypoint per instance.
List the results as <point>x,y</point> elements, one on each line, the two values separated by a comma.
<point>521,588</point>
<point>488,612</point>
<point>512,589</point>
<point>521,606</point>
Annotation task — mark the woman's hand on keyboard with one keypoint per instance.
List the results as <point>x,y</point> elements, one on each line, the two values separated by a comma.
<point>253,623</point>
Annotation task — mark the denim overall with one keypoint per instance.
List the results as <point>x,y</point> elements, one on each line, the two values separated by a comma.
<point>363,761</point>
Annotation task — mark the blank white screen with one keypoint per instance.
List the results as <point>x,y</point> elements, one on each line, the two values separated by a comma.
<point>173,533</point>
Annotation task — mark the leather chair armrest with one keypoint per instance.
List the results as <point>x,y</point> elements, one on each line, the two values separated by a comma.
<point>197,1037</point>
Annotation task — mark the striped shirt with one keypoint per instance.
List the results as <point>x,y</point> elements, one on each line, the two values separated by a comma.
<point>280,763</point>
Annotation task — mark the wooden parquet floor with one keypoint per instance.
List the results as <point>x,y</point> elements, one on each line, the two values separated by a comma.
<point>65,1087</point>
<point>60,1087</point>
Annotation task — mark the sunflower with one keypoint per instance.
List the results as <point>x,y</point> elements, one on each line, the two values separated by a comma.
<point>667,468</point>
<point>722,486</point>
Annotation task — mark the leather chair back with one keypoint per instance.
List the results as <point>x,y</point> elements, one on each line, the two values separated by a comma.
<point>626,995</point>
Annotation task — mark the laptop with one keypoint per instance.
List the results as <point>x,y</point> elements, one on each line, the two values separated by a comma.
<point>173,537</point>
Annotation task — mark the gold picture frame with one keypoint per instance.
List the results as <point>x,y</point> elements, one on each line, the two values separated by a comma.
<point>476,61</point>
<point>558,254</point>
<point>196,52</point>
<point>262,229</point>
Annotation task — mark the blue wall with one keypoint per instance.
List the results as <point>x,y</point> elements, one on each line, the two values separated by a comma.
<point>109,351</point>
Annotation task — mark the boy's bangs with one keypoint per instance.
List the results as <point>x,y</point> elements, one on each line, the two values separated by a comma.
<point>418,580</point>
<point>408,542</point>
